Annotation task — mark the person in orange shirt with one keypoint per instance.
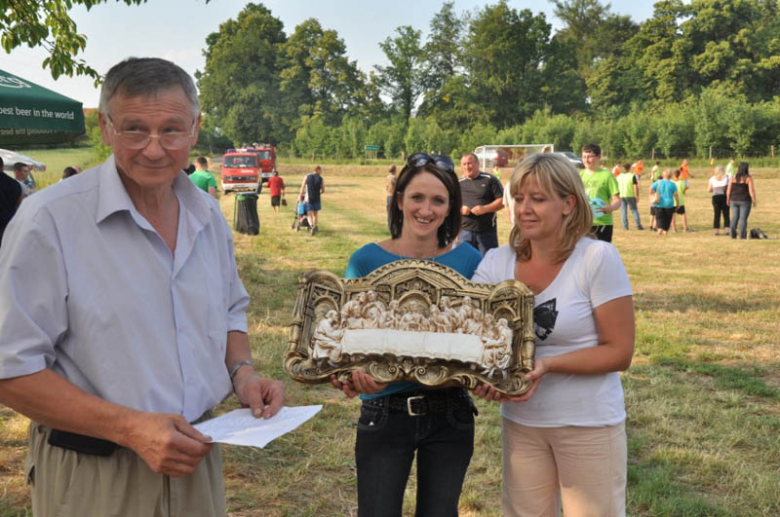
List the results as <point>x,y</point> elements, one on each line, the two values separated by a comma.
<point>684,174</point>
<point>638,166</point>
<point>616,170</point>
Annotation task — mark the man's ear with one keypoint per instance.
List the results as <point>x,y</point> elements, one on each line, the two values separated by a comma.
<point>197,128</point>
<point>104,130</point>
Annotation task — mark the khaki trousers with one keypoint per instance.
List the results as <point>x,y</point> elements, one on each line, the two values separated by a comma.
<point>586,465</point>
<point>66,483</point>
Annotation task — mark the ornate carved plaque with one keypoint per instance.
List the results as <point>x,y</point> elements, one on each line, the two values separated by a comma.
<point>412,320</point>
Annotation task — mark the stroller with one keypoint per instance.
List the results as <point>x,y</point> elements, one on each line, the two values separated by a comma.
<point>301,221</point>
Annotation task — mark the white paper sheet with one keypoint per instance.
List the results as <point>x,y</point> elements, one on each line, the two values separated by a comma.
<point>239,427</point>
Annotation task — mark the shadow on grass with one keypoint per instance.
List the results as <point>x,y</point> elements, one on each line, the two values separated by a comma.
<point>683,302</point>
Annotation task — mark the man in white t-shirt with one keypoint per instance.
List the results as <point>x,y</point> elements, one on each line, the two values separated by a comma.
<point>22,174</point>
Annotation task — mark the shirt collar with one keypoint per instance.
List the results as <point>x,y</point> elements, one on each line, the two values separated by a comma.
<point>114,198</point>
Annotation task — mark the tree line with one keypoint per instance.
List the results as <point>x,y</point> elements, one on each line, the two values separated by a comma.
<point>696,78</point>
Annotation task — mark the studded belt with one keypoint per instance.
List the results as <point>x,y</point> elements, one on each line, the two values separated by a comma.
<point>423,402</point>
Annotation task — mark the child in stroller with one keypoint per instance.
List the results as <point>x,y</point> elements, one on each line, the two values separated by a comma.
<point>301,221</point>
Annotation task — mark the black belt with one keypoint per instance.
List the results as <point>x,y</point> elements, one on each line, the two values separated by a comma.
<point>81,443</point>
<point>423,402</point>
<point>91,445</point>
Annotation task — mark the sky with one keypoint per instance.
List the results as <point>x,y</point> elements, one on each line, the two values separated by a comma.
<point>177,30</point>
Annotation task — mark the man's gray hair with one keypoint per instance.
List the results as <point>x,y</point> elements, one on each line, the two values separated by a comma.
<point>145,77</point>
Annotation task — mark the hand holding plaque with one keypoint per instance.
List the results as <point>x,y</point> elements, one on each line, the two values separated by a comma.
<point>412,320</point>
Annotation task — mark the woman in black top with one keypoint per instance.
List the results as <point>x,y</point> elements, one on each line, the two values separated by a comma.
<point>741,197</point>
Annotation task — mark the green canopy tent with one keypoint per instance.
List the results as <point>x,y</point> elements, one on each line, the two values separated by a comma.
<point>31,114</point>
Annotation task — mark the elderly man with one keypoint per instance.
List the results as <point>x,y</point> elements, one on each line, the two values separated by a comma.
<point>122,317</point>
<point>482,198</point>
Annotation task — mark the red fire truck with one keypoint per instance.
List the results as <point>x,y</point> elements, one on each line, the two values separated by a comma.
<point>243,169</point>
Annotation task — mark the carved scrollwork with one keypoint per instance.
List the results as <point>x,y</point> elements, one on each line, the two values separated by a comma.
<point>412,320</point>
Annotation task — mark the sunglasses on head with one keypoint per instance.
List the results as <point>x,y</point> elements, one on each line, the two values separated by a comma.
<point>440,161</point>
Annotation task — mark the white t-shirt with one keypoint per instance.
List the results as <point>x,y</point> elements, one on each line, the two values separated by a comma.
<point>25,188</point>
<point>719,186</point>
<point>563,322</point>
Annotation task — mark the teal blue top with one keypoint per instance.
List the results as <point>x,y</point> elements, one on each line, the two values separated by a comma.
<point>464,259</point>
<point>667,189</point>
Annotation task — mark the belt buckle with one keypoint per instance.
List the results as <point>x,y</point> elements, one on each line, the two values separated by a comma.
<point>409,405</point>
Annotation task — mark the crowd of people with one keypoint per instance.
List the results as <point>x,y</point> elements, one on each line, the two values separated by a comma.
<point>123,319</point>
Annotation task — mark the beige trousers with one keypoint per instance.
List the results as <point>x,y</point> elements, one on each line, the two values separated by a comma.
<point>585,465</point>
<point>65,483</point>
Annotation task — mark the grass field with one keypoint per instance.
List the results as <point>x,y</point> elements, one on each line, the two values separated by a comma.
<point>703,393</point>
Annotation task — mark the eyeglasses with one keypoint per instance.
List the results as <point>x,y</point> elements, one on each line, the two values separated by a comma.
<point>440,161</point>
<point>139,139</point>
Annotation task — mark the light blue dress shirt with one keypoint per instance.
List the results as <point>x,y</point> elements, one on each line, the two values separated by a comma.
<point>89,289</point>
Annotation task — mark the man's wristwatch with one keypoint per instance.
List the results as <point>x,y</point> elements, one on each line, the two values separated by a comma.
<point>234,369</point>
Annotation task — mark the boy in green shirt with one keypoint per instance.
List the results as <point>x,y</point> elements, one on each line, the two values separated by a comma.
<point>202,178</point>
<point>602,189</point>
<point>629,195</point>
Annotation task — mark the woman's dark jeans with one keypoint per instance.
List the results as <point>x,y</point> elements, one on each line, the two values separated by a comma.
<point>740,210</point>
<point>386,443</point>
<point>719,206</point>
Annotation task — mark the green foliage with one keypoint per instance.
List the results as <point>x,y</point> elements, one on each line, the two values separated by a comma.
<point>474,137</point>
<point>415,135</point>
<point>211,136</point>
<point>697,77</point>
<point>352,137</point>
<point>546,128</point>
<point>442,56</point>
<point>95,138</point>
<point>511,63</point>
<point>48,24</point>
<point>317,76</point>
<point>639,133</point>
<point>585,133</point>
<point>239,86</point>
<point>613,133</point>
<point>675,129</point>
<point>712,119</point>
<point>687,47</point>
<point>389,135</point>
<point>403,79</point>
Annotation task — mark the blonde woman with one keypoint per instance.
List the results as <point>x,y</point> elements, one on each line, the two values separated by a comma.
<point>566,434</point>
<point>717,185</point>
<point>664,208</point>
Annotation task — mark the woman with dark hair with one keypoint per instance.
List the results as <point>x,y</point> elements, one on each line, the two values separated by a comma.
<point>424,222</point>
<point>564,440</point>
<point>741,197</point>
